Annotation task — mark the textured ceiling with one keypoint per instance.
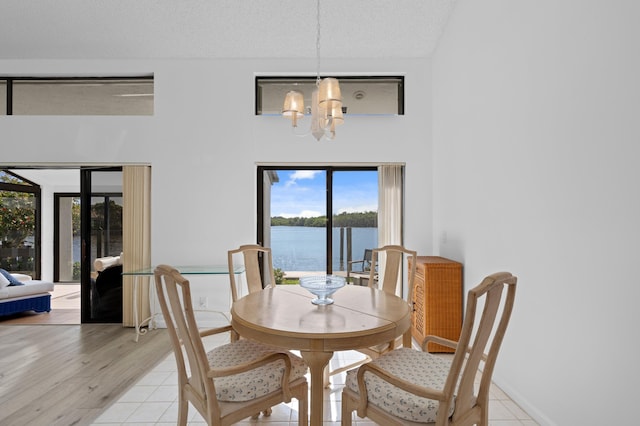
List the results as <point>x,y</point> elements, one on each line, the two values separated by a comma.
<point>146,29</point>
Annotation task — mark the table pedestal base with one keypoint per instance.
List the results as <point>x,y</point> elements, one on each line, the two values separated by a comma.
<point>317,361</point>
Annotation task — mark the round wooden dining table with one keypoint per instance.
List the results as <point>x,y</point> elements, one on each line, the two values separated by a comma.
<point>285,317</point>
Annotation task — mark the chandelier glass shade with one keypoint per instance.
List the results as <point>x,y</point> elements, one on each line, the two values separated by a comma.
<point>329,92</point>
<point>293,107</point>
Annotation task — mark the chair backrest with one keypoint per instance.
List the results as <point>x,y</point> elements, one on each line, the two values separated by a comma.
<point>479,341</point>
<point>177,309</point>
<point>394,257</point>
<point>254,256</point>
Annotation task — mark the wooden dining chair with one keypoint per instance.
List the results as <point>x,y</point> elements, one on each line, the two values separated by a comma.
<point>394,259</point>
<point>391,261</point>
<point>258,263</point>
<point>233,381</point>
<point>413,387</point>
<point>257,260</point>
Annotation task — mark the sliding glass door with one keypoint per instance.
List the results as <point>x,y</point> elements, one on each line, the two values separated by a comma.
<point>355,215</point>
<point>101,233</point>
<point>298,231</point>
<point>294,205</point>
<point>66,237</point>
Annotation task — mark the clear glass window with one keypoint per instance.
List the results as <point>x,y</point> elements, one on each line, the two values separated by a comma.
<point>18,225</point>
<point>82,96</point>
<point>360,95</point>
<point>295,203</point>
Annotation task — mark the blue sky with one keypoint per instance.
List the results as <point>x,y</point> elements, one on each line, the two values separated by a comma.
<point>301,193</point>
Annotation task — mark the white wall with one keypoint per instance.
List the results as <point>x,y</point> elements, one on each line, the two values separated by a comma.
<point>204,143</point>
<point>536,172</point>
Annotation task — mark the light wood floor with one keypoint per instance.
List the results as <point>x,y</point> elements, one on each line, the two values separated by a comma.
<point>69,374</point>
<point>57,316</point>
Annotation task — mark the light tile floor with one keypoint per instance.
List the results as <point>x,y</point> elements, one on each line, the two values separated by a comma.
<point>153,401</point>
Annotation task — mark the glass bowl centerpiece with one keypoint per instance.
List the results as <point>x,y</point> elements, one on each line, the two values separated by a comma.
<point>323,287</point>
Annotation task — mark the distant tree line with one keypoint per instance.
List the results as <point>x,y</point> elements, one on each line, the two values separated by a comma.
<point>354,220</point>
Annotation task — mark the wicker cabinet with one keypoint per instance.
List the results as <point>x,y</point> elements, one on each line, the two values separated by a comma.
<point>437,300</point>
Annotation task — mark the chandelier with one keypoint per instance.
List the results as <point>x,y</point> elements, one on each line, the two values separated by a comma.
<point>326,100</point>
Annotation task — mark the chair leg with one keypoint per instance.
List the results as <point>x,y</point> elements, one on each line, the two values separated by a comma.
<point>183,412</point>
<point>265,413</point>
<point>303,404</point>
<point>325,376</point>
<point>346,415</point>
<point>485,416</point>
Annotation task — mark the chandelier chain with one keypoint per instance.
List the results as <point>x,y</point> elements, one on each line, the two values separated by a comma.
<point>317,42</point>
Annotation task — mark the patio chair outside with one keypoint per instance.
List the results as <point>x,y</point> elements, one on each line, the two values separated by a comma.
<point>359,270</point>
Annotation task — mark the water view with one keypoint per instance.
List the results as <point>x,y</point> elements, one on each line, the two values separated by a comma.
<point>302,248</point>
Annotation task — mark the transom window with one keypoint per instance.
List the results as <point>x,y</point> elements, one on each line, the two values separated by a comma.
<point>360,95</point>
<point>77,96</point>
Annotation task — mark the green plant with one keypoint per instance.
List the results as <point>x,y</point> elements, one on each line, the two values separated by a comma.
<point>16,223</point>
<point>279,275</point>
<point>76,271</point>
<point>17,214</point>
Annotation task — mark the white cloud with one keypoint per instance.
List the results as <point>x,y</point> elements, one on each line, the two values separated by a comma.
<point>310,213</point>
<point>302,175</point>
<point>303,213</point>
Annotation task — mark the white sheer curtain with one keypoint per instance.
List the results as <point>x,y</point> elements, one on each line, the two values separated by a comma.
<point>390,206</point>
<point>136,238</point>
<point>390,183</point>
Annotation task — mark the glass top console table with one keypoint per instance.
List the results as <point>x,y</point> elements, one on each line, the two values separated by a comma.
<point>184,270</point>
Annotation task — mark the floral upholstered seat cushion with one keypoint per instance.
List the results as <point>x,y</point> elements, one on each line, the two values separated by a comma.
<point>421,368</point>
<point>255,383</point>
